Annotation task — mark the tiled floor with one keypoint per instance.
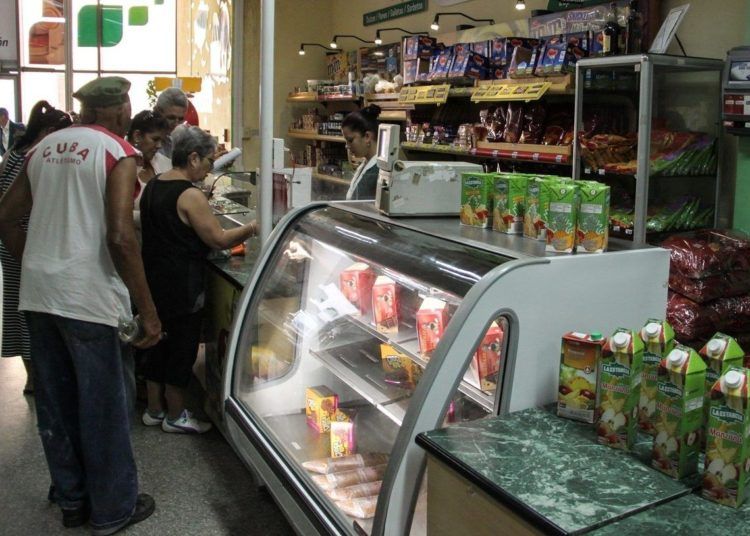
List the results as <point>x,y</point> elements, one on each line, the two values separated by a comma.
<point>199,484</point>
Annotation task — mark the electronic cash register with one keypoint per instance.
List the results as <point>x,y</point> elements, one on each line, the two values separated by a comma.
<point>413,188</point>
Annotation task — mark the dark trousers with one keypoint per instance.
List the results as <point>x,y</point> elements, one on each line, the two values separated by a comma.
<point>83,410</point>
<point>171,360</point>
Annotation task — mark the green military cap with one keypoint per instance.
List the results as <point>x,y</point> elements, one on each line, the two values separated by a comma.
<point>103,92</point>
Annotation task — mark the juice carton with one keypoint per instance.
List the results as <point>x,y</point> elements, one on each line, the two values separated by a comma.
<point>593,218</point>
<point>725,477</point>
<point>399,368</point>
<point>509,195</point>
<point>720,354</point>
<point>343,442</point>
<point>679,412</point>
<point>432,319</point>
<point>356,285</point>
<point>563,217</point>
<point>476,199</point>
<point>486,362</point>
<point>658,339</point>
<point>536,208</point>
<point>580,354</point>
<point>385,305</point>
<point>320,407</point>
<point>619,389</point>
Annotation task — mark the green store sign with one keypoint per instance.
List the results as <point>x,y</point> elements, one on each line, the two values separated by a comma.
<point>404,9</point>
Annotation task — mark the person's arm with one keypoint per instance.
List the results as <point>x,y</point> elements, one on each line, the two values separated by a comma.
<point>14,205</point>
<point>124,249</point>
<point>193,206</point>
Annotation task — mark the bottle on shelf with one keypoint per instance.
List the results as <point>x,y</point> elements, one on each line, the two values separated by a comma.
<point>634,33</point>
<point>611,33</point>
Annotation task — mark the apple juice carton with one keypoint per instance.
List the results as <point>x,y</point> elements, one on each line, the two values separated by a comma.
<point>320,407</point>
<point>580,354</point>
<point>562,217</point>
<point>679,412</point>
<point>432,319</point>
<point>485,365</point>
<point>476,199</point>
<point>727,463</point>
<point>536,208</point>
<point>509,195</point>
<point>619,389</point>
<point>385,305</point>
<point>658,341</point>
<point>343,441</point>
<point>592,235</point>
<point>356,285</point>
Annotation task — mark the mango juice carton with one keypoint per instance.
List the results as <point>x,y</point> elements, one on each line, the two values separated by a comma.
<point>432,319</point>
<point>580,354</point>
<point>562,217</point>
<point>485,366</point>
<point>509,197</point>
<point>592,235</point>
<point>398,368</point>
<point>727,464</point>
<point>385,305</point>
<point>476,199</point>
<point>679,412</point>
<point>343,439</point>
<point>356,285</point>
<point>536,209</point>
<point>658,340</point>
<point>320,407</point>
<point>619,389</point>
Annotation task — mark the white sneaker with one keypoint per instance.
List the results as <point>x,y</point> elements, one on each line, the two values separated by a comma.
<point>153,420</point>
<point>185,424</point>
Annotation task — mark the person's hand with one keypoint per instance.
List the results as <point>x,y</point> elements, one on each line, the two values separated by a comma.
<point>152,333</point>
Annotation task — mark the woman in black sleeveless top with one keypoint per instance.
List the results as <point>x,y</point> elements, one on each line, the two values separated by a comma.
<point>179,230</point>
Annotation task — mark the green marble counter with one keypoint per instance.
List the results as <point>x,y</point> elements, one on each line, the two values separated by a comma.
<point>238,269</point>
<point>551,470</point>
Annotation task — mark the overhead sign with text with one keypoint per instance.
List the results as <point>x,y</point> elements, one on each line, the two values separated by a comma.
<point>404,9</point>
<point>8,36</point>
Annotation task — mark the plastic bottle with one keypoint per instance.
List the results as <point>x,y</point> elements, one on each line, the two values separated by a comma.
<point>130,330</point>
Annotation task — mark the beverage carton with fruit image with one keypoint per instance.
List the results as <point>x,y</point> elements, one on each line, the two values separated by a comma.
<point>658,340</point>
<point>619,389</point>
<point>562,217</point>
<point>580,354</point>
<point>476,199</point>
<point>679,412</point>
<point>509,194</point>
<point>536,208</point>
<point>727,463</point>
<point>592,235</point>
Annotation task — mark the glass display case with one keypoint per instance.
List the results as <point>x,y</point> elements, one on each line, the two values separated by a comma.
<point>356,332</point>
<point>649,126</point>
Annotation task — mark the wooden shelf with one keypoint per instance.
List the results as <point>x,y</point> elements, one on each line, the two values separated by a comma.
<point>501,151</point>
<point>430,148</point>
<point>381,97</point>
<point>314,97</point>
<point>331,179</point>
<point>305,135</point>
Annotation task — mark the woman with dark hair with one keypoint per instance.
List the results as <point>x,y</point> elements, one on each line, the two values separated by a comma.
<point>360,131</point>
<point>147,132</point>
<point>43,120</point>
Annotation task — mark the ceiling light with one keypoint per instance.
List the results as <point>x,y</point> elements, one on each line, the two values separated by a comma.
<point>378,40</point>
<point>301,50</point>
<point>520,5</point>
<point>435,26</point>
<point>333,44</point>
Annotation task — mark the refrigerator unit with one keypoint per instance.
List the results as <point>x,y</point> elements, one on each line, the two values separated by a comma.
<point>356,332</point>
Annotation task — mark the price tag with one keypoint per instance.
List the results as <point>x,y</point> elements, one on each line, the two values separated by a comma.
<point>601,171</point>
<point>514,155</point>
<point>559,159</point>
<point>535,157</point>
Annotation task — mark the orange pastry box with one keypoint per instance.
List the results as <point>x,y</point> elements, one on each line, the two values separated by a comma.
<point>385,305</point>
<point>432,319</point>
<point>320,407</point>
<point>356,285</point>
<point>486,363</point>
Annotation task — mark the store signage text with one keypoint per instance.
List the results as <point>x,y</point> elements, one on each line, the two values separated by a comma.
<point>403,9</point>
<point>8,35</point>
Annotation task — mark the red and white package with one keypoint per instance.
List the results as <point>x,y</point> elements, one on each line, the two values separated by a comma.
<point>432,319</point>
<point>486,362</point>
<point>385,304</point>
<point>356,285</point>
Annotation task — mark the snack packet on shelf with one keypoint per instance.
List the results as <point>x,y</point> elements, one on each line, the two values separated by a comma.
<point>362,508</point>
<point>320,407</point>
<point>368,489</point>
<point>345,463</point>
<point>353,477</point>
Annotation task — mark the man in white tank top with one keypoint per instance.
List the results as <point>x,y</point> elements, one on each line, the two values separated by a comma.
<point>80,263</point>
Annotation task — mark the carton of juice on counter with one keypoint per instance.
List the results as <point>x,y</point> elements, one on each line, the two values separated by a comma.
<point>476,199</point>
<point>509,197</point>
<point>679,412</point>
<point>592,235</point>
<point>356,285</point>
<point>343,442</point>
<point>320,408</point>
<point>580,354</point>
<point>432,319</point>
<point>385,305</point>
<point>398,368</point>
<point>619,389</point>
<point>720,354</point>
<point>485,365</point>
<point>562,217</point>
<point>658,341</point>
<point>727,464</point>
<point>536,209</point>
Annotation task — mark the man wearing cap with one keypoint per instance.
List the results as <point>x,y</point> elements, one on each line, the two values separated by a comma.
<point>80,263</point>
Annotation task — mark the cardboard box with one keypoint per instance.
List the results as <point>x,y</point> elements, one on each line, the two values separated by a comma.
<point>385,304</point>
<point>432,319</point>
<point>418,46</point>
<point>442,64</point>
<point>356,285</point>
<point>320,407</point>
<point>592,235</point>
<point>476,199</point>
<point>509,198</point>
<point>562,217</point>
<point>536,208</point>
<point>343,436</point>
<point>486,363</point>
<point>469,64</point>
<point>580,355</point>
<point>398,368</point>
<point>658,340</point>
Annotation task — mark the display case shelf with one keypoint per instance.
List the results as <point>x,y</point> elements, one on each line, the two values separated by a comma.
<point>307,135</point>
<point>504,151</point>
<point>314,97</point>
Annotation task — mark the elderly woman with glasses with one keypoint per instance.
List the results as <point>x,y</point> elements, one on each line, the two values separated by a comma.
<point>178,231</point>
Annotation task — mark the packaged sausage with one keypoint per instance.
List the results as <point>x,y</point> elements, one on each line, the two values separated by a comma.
<point>350,478</point>
<point>690,320</point>
<point>712,287</point>
<point>362,508</point>
<point>345,463</point>
<point>513,122</point>
<point>533,123</point>
<point>708,253</point>
<point>368,489</point>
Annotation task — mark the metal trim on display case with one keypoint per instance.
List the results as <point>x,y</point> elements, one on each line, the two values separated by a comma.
<point>645,102</point>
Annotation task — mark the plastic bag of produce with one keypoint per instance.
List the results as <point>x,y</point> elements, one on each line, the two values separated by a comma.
<point>689,319</point>
<point>711,287</point>
<point>733,313</point>
<point>710,252</point>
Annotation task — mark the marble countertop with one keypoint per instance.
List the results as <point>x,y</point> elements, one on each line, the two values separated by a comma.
<point>238,269</point>
<point>551,470</point>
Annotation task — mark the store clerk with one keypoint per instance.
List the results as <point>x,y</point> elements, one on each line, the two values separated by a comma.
<point>360,131</point>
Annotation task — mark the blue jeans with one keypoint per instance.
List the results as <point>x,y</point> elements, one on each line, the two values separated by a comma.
<point>83,413</point>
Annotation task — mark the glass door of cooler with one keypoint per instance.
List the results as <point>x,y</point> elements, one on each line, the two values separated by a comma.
<point>338,332</point>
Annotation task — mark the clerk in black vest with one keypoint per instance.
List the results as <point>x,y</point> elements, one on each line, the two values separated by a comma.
<point>178,231</point>
<point>360,130</point>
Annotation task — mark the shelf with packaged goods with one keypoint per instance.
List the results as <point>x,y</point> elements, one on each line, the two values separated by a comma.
<point>546,154</point>
<point>307,135</point>
<point>314,97</point>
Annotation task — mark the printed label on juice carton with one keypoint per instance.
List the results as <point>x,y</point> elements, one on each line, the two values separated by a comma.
<point>562,218</point>
<point>658,340</point>
<point>509,199</point>
<point>619,389</point>
<point>343,439</point>
<point>476,199</point>
<point>398,368</point>
<point>536,208</point>
<point>679,412</point>
<point>485,366</point>
<point>720,353</point>
<point>320,407</point>
<point>580,354</point>
<point>356,285</point>
<point>727,463</point>
<point>385,305</point>
<point>432,319</point>
<point>593,217</point>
